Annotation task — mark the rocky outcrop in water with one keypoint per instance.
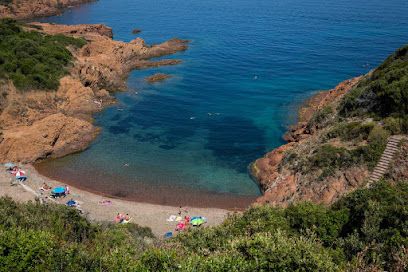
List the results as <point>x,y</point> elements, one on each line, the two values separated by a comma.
<point>157,77</point>
<point>26,9</point>
<point>42,124</point>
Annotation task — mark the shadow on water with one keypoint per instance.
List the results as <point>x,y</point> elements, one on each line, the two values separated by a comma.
<point>235,141</point>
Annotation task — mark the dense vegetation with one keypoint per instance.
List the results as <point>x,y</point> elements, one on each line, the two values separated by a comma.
<point>33,60</point>
<point>382,93</point>
<point>354,131</point>
<point>366,230</point>
<point>5,2</point>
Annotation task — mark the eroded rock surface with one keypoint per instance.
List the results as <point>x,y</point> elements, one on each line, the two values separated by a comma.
<point>283,185</point>
<point>157,77</point>
<point>25,9</point>
<point>39,124</point>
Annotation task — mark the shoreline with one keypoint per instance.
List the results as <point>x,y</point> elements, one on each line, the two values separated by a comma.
<point>144,214</point>
<point>26,11</point>
<point>280,187</point>
<point>62,122</point>
<point>139,191</point>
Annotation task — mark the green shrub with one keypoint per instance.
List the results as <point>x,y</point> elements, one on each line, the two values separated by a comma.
<point>32,59</point>
<point>322,221</point>
<point>279,252</point>
<point>5,2</point>
<point>377,141</point>
<point>26,250</point>
<point>159,260</point>
<point>384,92</point>
<point>320,118</point>
<point>393,125</point>
<point>371,224</point>
<point>396,125</point>
<point>328,159</point>
<point>67,224</point>
<point>351,131</point>
<point>378,222</point>
<point>35,237</point>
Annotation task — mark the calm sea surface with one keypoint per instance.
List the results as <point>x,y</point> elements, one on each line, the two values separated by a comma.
<point>189,140</point>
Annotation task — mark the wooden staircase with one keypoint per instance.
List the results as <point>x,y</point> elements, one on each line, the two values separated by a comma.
<point>386,159</point>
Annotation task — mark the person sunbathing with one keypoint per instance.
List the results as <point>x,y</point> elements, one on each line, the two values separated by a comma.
<point>119,218</point>
<point>126,219</point>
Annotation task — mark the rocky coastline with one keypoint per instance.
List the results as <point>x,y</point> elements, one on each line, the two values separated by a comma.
<point>23,10</point>
<point>280,184</point>
<point>39,124</point>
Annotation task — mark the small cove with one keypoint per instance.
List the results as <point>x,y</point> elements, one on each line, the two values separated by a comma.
<point>189,140</point>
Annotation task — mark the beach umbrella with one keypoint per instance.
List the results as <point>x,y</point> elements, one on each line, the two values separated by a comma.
<point>197,221</point>
<point>58,190</point>
<point>9,165</point>
<point>20,173</point>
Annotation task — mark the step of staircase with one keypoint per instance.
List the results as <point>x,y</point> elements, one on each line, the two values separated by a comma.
<point>386,158</point>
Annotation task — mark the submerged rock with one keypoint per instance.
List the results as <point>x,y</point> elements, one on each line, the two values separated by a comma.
<point>157,77</point>
<point>136,31</point>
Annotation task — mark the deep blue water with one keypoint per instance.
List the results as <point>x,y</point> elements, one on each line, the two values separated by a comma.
<point>249,65</point>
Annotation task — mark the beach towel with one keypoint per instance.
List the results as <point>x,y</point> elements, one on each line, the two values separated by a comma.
<point>105,202</point>
<point>172,218</point>
<point>180,226</point>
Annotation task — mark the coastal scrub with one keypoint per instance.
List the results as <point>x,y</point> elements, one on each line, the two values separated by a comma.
<point>33,60</point>
<point>366,229</point>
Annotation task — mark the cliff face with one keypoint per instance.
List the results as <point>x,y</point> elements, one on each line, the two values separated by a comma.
<point>340,138</point>
<point>40,124</point>
<point>26,9</point>
<point>281,172</point>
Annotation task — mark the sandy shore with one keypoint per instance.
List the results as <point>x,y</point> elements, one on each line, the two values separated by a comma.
<point>144,214</point>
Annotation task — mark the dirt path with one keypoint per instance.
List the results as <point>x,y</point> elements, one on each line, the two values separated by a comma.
<point>144,214</point>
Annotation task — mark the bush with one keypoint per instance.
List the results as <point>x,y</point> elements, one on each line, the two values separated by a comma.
<point>351,131</point>
<point>320,118</point>
<point>35,237</point>
<point>22,250</point>
<point>378,222</point>
<point>32,59</point>
<point>279,252</point>
<point>396,125</point>
<point>367,228</point>
<point>5,2</point>
<point>384,92</point>
<point>377,141</point>
<point>322,221</point>
<point>328,159</point>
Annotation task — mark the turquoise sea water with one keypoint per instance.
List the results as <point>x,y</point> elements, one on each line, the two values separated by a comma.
<point>189,140</point>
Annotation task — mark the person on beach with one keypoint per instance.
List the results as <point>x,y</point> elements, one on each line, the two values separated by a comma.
<point>125,219</point>
<point>180,226</point>
<point>14,170</point>
<point>118,218</point>
<point>67,190</point>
